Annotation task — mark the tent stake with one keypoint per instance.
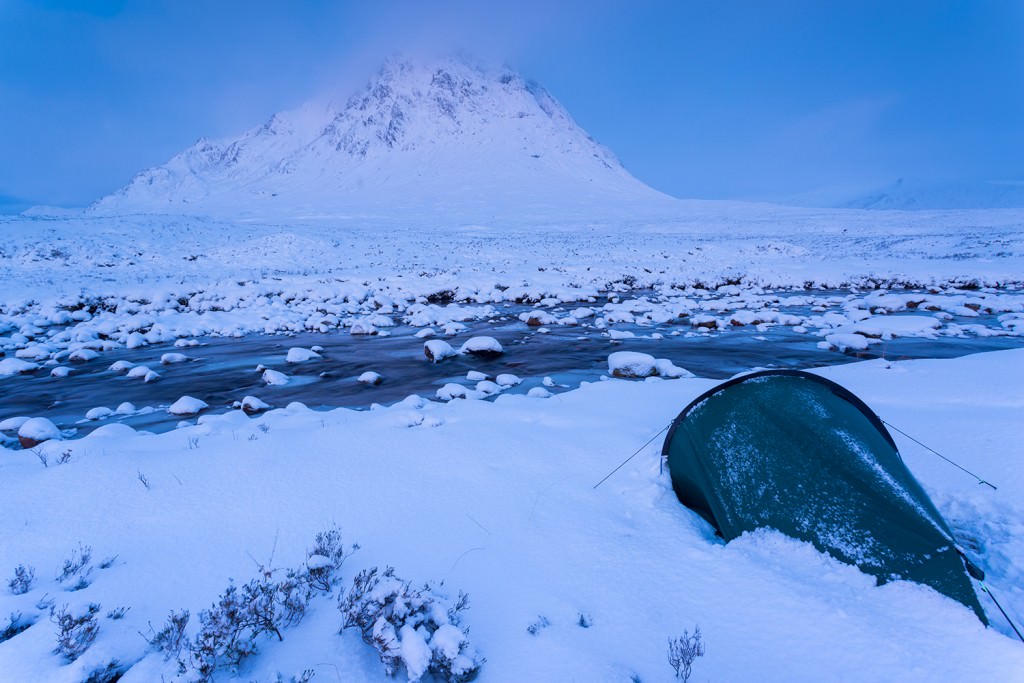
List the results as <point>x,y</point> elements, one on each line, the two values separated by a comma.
<point>637,452</point>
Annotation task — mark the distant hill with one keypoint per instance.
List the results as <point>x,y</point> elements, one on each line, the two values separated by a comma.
<point>904,195</point>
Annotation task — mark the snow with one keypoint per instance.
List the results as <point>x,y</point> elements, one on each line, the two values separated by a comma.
<point>481,346</point>
<point>300,355</point>
<point>16,366</point>
<point>494,497</point>
<point>252,404</point>
<point>38,429</point>
<point>641,566</point>
<point>98,413</point>
<point>506,379</point>
<point>274,378</point>
<point>633,364</point>
<point>13,423</point>
<point>370,377</point>
<point>171,358</point>
<point>187,405</point>
<point>437,350</point>
<point>446,115</point>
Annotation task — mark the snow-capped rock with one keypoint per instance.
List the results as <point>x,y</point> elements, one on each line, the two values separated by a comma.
<point>437,350</point>
<point>251,405</point>
<point>299,355</point>
<point>187,405</point>
<point>36,430</point>
<point>16,366</point>
<point>275,378</point>
<point>485,347</point>
<point>370,377</point>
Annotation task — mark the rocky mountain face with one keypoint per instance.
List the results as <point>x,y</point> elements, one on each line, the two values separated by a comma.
<point>441,137</point>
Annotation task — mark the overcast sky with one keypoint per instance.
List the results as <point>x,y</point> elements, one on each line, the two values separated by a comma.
<point>709,98</point>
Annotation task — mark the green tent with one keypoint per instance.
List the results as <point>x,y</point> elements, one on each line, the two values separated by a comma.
<point>798,453</point>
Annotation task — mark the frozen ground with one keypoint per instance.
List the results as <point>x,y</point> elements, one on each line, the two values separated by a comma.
<point>496,498</point>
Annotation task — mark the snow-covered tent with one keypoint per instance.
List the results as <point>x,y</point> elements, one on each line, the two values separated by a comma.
<point>798,453</point>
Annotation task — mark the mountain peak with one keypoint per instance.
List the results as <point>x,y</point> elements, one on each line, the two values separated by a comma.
<point>419,135</point>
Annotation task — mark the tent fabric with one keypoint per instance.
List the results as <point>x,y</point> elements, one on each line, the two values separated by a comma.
<point>795,452</point>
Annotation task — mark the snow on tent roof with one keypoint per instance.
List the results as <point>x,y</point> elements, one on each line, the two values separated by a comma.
<point>798,453</point>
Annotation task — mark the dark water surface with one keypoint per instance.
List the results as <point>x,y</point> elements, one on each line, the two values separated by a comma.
<point>223,370</point>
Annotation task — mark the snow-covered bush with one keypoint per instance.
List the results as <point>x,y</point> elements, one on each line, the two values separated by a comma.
<point>225,637</point>
<point>415,627</point>
<point>172,638</point>
<point>230,628</point>
<point>22,581</point>
<point>77,567</point>
<point>324,559</point>
<point>13,625</point>
<point>682,652</point>
<point>75,632</point>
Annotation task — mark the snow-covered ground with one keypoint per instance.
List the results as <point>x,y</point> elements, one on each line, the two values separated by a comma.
<point>496,498</point>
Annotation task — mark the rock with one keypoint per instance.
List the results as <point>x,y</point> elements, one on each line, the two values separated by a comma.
<point>437,350</point>
<point>300,355</point>
<point>251,405</point>
<point>83,355</point>
<point>170,358</point>
<point>484,347</point>
<point>121,366</point>
<point>707,322</point>
<point>451,391</point>
<point>370,377</point>
<point>16,366</point>
<point>631,365</point>
<point>362,327</point>
<point>60,371</point>
<point>187,406</point>
<point>137,371</point>
<point>537,318</point>
<point>35,431</point>
<point>507,380</point>
<point>275,378</point>
<point>135,340</point>
<point>98,413</point>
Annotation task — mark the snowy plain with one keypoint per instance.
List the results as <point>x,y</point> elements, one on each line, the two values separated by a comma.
<point>496,498</point>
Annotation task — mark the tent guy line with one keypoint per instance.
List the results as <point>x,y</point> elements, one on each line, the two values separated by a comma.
<point>951,462</point>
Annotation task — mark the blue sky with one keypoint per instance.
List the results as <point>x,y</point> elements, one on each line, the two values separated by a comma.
<point>698,99</point>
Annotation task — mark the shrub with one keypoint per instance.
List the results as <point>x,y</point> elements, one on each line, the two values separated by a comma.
<point>324,560</point>
<point>230,628</point>
<point>417,628</point>
<point>77,567</point>
<point>23,579</point>
<point>682,652</point>
<point>16,623</point>
<point>172,638</point>
<point>224,638</point>
<point>75,632</point>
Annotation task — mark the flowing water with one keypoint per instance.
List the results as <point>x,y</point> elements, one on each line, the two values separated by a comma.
<point>223,370</point>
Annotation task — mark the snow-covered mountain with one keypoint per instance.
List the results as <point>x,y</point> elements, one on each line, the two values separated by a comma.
<point>910,195</point>
<point>445,136</point>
